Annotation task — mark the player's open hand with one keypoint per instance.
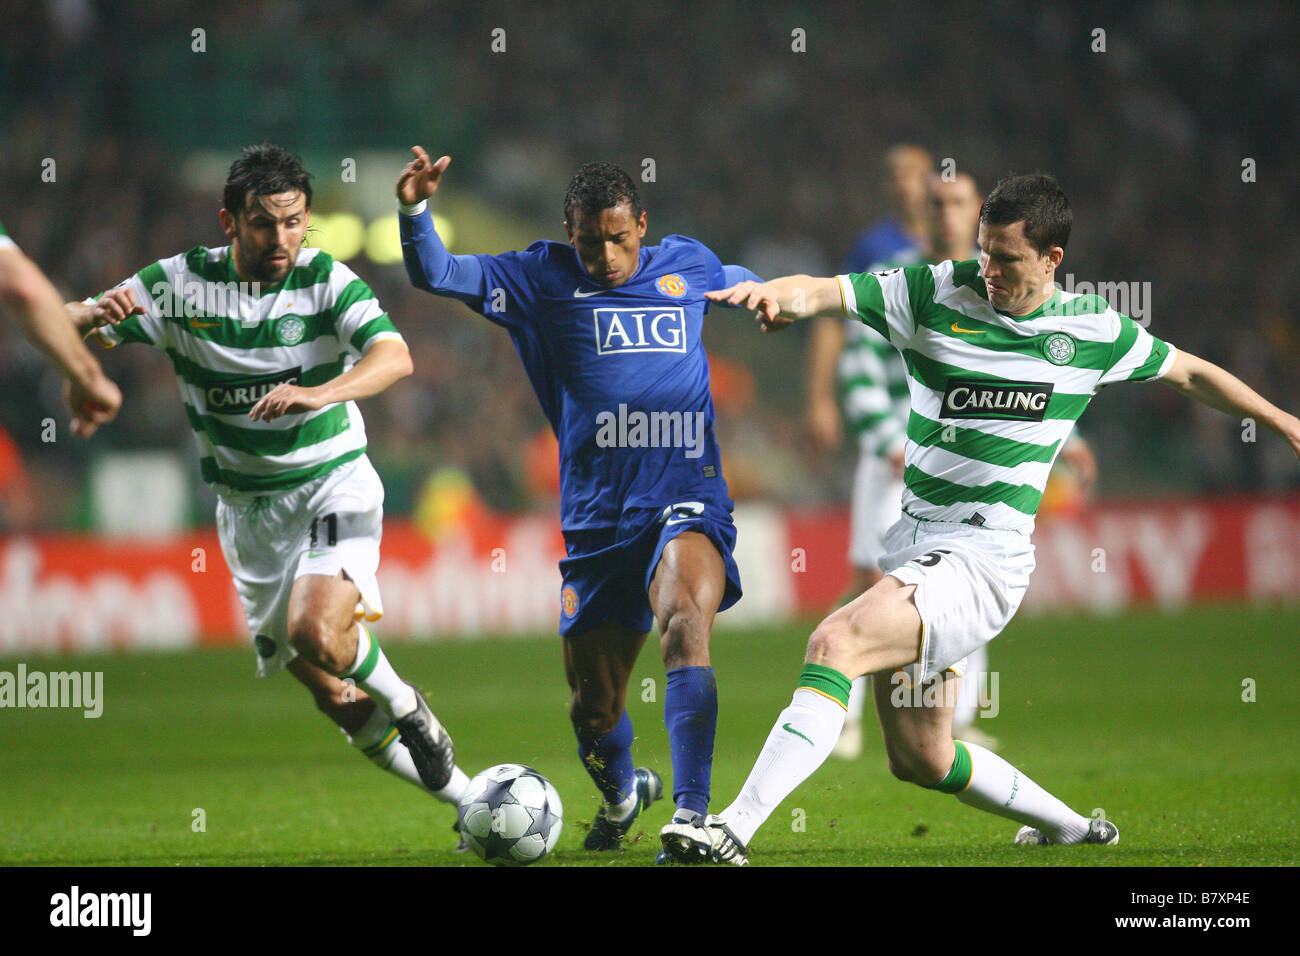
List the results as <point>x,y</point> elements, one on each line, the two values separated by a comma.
<point>420,177</point>
<point>114,306</point>
<point>757,297</point>
<point>285,399</point>
<point>93,402</point>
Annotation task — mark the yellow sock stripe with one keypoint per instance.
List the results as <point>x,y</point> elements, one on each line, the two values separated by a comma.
<point>824,694</point>
<point>389,737</point>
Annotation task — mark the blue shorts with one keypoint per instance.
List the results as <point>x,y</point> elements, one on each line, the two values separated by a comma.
<point>608,571</point>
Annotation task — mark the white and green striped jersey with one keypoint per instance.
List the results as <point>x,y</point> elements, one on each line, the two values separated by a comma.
<point>5,241</point>
<point>231,343</point>
<point>994,396</point>
<point>872,383</point>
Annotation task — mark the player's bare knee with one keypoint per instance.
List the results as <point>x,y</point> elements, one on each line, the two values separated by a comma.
<point>319,643</point>
<point>593,718</point>
<point>683,640</point>
<point>833,643</point>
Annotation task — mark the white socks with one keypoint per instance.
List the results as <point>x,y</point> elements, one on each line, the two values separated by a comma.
<point>371,672</point>
<point>377,738</point>
<point>799,743</point>
<point>1000,788</point>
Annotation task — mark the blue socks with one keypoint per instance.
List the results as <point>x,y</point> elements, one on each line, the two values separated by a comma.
<point>608,759</point>
<point>691,715</point>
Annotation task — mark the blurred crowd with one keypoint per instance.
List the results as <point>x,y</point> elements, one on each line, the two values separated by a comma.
<point>758,128</point>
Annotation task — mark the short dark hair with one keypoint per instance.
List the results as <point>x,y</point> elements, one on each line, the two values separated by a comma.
<point>264,170</point>
<point>1037,199</point>
<point>600,186</point>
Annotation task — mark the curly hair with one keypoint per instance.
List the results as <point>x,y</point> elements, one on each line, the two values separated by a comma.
<point>264,170</point>
<point>600,186</point>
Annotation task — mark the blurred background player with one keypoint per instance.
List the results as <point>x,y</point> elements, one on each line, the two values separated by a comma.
<point>272,343</point>
<point>905,183</point>
<point>39,312</point>
<point>647,523</point>
<point>872,405</point>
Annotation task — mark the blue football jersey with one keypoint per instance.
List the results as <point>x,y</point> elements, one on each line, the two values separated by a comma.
<point>620,373</point>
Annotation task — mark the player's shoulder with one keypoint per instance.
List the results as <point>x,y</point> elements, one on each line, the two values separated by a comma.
<point>951,280</point>
<point>206,261</point>
<point>676,244</point>
<point>317,265</point>
<point>198,263</point>
<point>1093,315</point>
<point>547,251</point>
<point>964,274</point>
<point>1073,303</point>
<point>547,265</point>
<point>545,257</point>
<point>678,253</point>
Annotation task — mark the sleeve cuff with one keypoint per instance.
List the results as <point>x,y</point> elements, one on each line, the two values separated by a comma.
<point>416,210</point>
<point>848,299</point>
<point>1168,363</point>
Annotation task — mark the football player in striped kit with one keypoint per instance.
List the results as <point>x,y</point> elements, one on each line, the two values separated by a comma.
<point>1000,364</point>
<point>873,398</point>
<point>272,343</point>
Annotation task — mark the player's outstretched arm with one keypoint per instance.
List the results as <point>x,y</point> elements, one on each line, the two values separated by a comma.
<point>429,265</point>
<point>91,395</point>
<point>1207,383</point>
<point>780,302</point>
<point>384,363</point>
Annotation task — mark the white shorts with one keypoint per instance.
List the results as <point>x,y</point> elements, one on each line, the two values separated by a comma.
<point>969,583</point>
<point>877,504</point>
<point>331,524</point>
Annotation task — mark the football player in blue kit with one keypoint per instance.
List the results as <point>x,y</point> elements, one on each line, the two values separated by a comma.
<point>608,331</point>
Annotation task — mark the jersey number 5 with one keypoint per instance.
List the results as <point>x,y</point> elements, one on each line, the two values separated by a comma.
<point>931,559</point>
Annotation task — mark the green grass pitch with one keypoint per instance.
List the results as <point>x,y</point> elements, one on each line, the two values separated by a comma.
<point>1141,715</point>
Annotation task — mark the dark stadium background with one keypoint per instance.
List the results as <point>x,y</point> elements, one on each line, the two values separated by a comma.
<point>770,156</point>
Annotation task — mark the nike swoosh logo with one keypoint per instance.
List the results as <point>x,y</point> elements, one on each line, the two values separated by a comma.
<point>317,554</point>
<point>203,325</point>
<point>797,734</point>
<point>958,328</point>
<point>676,520</point>
<point>579,294</point>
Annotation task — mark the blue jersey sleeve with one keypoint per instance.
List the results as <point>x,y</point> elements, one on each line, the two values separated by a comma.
<point>432,268</point>
<point>733,274</point>
<point>510,283</point>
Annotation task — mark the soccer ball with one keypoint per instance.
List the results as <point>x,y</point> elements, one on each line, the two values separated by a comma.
<point>510,815</point>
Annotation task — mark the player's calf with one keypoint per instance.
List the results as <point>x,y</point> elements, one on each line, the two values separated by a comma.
<point>917,725</point>
<point>369,728</point>
<point>925,768</point>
